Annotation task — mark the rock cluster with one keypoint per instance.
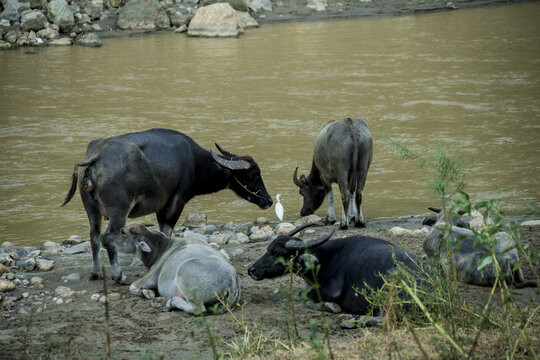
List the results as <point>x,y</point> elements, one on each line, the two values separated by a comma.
<point>67,22</point>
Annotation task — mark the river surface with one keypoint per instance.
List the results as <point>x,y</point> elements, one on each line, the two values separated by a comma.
<point>469,79</point>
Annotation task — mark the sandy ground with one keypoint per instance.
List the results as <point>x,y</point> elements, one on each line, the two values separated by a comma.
<point>75,329</point>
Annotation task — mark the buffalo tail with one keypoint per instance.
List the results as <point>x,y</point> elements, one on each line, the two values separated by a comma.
<point>75,177</point>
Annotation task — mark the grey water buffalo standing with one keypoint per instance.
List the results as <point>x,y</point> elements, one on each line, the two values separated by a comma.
<point>347,266</point>
<point>465,254</point>
<point>188,272</point>
<point>342,154</point>
<point>155,171</point>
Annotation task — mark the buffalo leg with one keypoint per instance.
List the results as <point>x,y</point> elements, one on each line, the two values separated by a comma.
<point>352,208</point>
<point>111,234</point>
<point>94,217</point>
<point>359,220</point>
<point>345,199</point>
<point>168,216</point>
<point>330,205</point>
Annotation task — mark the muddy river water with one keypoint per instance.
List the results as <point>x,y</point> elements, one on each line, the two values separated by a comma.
<point>470,79</point>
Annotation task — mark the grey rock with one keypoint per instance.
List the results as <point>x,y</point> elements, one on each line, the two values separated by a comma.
<point>246,21</point>
<point>51,247</point>
<point>309,219</point>
<point>9,246</point>
<point>12,8</point>
<point>258,5</point>
<point>220,239</point>
<point>258,236</point>
<point>6,285</point>
<point>33,21</point>
<point>77,249</point>
<point>26,264</point>
<point>60,13</point>
<point>143,15</point>
<point>61,42</point>
<point>44,264</point>
<point>72,277</point>
<point>236,252</point>
<point>283,228</point>
<point>216,20</point>
<point>89,40</point>
<point>63,291</point>
<point>239,238</point>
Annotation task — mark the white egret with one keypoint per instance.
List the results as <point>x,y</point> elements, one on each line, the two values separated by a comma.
<point>279,208</point>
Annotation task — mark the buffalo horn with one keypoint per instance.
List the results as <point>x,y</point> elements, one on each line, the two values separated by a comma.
<point>231,164</point>
<point>225,152</point>
<point>434,209</point>
<point>294,244</point>
<point>297,182</point>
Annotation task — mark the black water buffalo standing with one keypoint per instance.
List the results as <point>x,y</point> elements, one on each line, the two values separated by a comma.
<point>342,154</point>
<point>159,171</point>
<point>347,266</point>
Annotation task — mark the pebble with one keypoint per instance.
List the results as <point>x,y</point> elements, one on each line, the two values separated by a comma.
<point>220,239</point>
<point>4,269</point>
<point>261,221</point>
<point>6,285</point>
<point>95,297</point>
<point>9,246</point>
<point>59,301</point>
<point>237,252</point>
<point>239,238</point>
<point>115,296</point>
<point>35,280</point>
<point>283,228</point>
<point>77,249</point>
<point>258,236</point>
<point>530,223</point>
<point>52,247</point>
<point>63,291</point>
<point>10,276</point>
<point>398,231</point>
<point>72,277</point>
<point>308,219</point>
<point>44,265</point>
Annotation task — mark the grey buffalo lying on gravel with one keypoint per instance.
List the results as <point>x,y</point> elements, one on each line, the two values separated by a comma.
<point>342,154</point>
<point>467,255</point>
<point>188,272</point>
<point>347,266</point>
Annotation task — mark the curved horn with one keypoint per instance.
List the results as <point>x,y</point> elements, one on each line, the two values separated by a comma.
<point>294,244</point>
<point>231,164</point>
<point>225,152</point>
<point>295,178</point>
<point>300,228</point>
<point>434,209</point>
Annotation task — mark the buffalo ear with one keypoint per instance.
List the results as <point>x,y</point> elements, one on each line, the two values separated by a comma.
<point>144,247</point>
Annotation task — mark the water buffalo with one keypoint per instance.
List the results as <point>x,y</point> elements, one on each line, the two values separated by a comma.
<point>342,154</point>
<point>347,266</point>
<point>466,254</point>
<point>188,272</point>
<point>159,171</point>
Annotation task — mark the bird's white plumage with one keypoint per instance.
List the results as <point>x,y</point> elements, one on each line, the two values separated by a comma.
<point>279,208</point>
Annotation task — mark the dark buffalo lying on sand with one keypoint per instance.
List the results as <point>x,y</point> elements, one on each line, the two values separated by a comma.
<point>347,266</point>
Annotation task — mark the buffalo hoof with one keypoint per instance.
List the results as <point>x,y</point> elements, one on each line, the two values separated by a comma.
<point>94,276</point>
<point>360,224</point>
<point>343,226</point>
<point>330,221</point>
<point>123,280</point>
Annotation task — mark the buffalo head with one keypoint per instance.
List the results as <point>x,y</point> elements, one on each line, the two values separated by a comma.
<point>286,247</point>
<point>313,193</point>
<point>245,177</point>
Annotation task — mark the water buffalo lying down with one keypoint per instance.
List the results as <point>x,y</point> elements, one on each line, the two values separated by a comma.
<point>467,255</point>
<point>346,266</point>
<point>155,171</point>
<point>186,271</point>
<point>342,154</point>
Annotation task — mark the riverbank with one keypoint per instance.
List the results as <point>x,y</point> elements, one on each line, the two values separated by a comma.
<point>59,313</point>
<point>85,22</point>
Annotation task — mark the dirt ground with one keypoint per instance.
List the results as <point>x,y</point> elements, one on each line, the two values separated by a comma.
<point>75,329</point>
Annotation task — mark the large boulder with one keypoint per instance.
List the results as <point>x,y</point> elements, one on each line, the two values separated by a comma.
<point>61,15</point>
<point>143,15</point>
<point>258,5</point>
<point>240,5</point>
<point>33,21</point>
<point>12,8</point>
<point>216,20</point>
